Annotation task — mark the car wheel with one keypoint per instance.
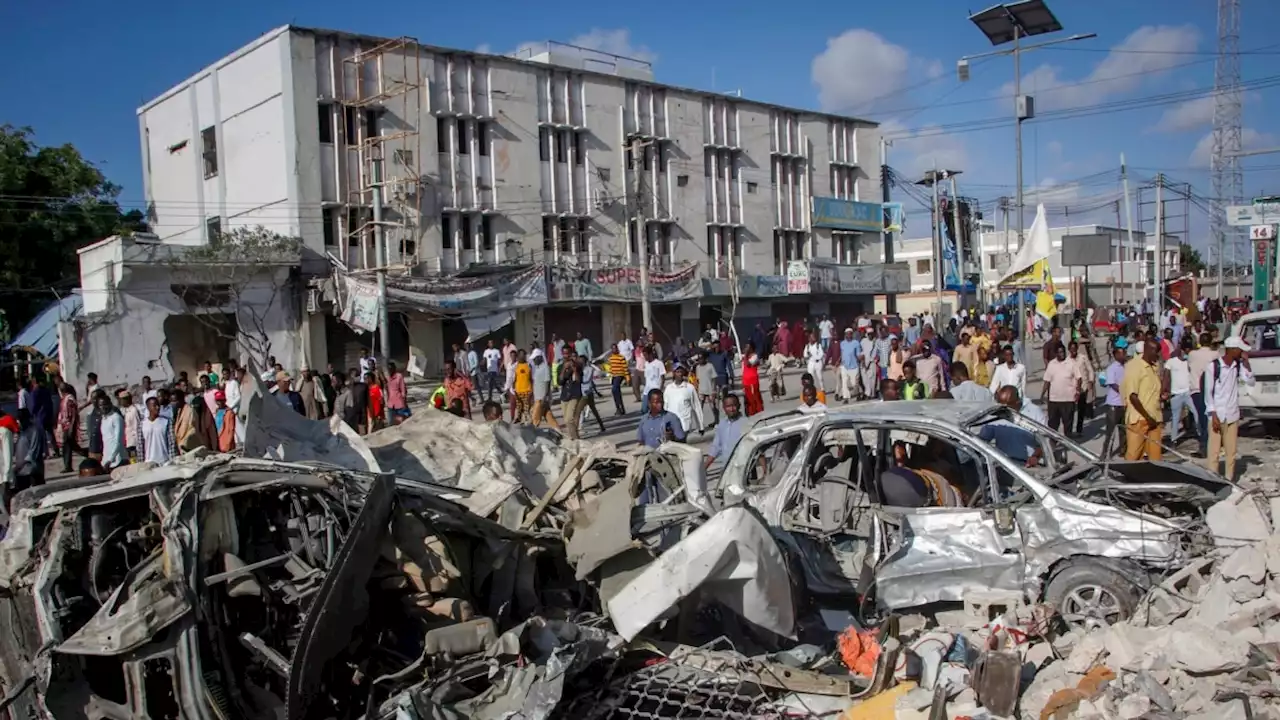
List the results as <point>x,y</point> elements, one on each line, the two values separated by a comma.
<point>1089,594</point>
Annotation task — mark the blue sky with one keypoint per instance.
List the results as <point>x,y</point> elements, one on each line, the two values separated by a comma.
<point>78,70</point>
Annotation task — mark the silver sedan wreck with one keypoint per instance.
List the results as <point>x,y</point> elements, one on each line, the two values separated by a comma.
<point>1081,534</point>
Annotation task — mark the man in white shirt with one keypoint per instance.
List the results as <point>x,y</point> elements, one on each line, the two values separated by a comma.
<point>681,399</point>
<point>814,358</point>
<point>1198,360</point>
<point>825,329</point>
<point>492,367</point>
<point>962,388</point>
<point>1009,372</point>
<point>1177,377</point>
<point>626,348</point>
<point>157,435</point>
<point>654,371</point>
<point>1222,402</point>
<point>809,400</point>
<point>113,440</point>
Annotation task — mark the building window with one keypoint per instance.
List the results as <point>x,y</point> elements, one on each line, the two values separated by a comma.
<point>326,122</point>
<point>631,157</point>
<point>468,239</point>
<point>548,233</point>
<point>355,226</point>
<point>486,232</point>
<point>544,144</point>
<point>579,148</point>
<point>682,180</point>
<point>991,262</point>
<point>482,138</point>
<point>562,143</point>
<point>371,119</point>
<point>209,151</point>
<point>446,231</point>
<point>213,227</point>
<point>632,234</point>
<point>351,116</point>
<point>330,227</point>
<point>584,230</point>
<point>566,237</point>
<point>924,267</point>
<point>442,135</point>
<point>751,188</point>
<point>463,146</point>
<point>647,151</point>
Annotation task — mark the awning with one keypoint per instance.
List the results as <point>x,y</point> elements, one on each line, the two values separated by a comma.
<point>41,334</point>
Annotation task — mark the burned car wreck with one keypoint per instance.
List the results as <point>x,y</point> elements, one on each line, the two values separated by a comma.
<point>1084,535</point>
<point>225,587</point>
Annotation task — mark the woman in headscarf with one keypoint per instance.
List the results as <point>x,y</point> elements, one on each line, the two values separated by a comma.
<point>200,429</point>
<point>782,339</point>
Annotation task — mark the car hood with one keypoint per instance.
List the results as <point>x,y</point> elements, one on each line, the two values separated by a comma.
<point>1156,482</point>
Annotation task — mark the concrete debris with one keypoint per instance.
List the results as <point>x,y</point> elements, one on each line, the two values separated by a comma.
<point>446,569</point>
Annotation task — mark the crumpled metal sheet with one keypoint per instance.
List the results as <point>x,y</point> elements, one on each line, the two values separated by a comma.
<point>731,558</point>
<point>1062,526</point>
<point>145,604</point>
<point>693,474</point>
<point>276,432</point>
<point>946,554</point>
<point>600,531</point>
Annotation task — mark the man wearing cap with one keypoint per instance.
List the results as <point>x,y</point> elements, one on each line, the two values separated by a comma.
<point>1222,402</point>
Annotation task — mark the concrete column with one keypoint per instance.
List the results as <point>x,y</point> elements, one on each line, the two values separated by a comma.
<point>529,327</point>
<point>426,339</point>
<point>615,321</point>
<point>315,346</point>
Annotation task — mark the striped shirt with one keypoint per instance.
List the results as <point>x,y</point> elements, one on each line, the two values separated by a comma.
<point>617,365</point>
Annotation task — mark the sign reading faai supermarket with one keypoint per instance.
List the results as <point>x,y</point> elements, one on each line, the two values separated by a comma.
<point>620,284</point>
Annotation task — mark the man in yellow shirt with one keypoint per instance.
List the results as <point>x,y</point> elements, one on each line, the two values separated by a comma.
<point>1141,389</point>
<point>523,387</point>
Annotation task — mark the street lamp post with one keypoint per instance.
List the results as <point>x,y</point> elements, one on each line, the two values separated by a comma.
<point>1012,22</point>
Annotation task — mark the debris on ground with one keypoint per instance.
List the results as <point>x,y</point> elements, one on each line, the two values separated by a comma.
<point>442,569</point>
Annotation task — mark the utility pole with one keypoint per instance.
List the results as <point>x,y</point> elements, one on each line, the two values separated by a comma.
<point>937,241</point>
<point>1128,213</point>
<point>1159,264</point>
<point>959,238</point>
<point>1002,23</point>
<point>642,241</point>
<point>890,299</point>
<point>380,253</point>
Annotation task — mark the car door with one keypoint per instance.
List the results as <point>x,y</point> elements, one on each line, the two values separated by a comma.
<point>944,554</point>
<point>828,520</point>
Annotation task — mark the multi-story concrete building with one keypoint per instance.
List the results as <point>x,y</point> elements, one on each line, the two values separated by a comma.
<point>569,158</point>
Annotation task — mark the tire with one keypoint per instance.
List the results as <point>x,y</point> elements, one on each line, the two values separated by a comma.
<point>1091,594</point>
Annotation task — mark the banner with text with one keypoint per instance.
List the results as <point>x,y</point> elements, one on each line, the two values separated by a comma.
<point>621,284</point>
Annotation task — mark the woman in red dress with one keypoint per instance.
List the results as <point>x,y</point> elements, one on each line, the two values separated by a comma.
<point>751,380</point>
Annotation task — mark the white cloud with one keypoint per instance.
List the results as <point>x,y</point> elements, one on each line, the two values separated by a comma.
<point>857,67</point>
<point>1050,191</point>
<point>1149,50</point>
<point>1190,115</point>
<point>614,42</point>
<point>1250,139</point>
<point>918,150</point>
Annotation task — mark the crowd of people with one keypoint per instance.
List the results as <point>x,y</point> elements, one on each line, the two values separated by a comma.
<point>1167,365</point>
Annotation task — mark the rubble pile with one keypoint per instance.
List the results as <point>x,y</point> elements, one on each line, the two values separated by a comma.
<point>448,570</point>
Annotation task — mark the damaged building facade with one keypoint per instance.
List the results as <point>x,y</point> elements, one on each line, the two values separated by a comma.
<point>559,158</point>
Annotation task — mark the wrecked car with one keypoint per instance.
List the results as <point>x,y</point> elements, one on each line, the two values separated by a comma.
<point>221,587</point>
<point>1084,535</point>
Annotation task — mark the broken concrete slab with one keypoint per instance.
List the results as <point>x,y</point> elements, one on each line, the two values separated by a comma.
<point>1237,521</point>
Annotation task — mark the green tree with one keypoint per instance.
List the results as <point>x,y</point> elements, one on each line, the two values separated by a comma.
<point>52,202</point>
<point>1189,259</point>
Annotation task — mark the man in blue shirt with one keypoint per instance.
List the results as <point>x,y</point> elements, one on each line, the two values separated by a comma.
<point>850,360</point>
<point>728,431</point>
<point>1018,444</point>
<point>658,426</point>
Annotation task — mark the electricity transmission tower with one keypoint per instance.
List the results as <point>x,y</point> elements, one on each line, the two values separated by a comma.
<point>1228,181</point>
